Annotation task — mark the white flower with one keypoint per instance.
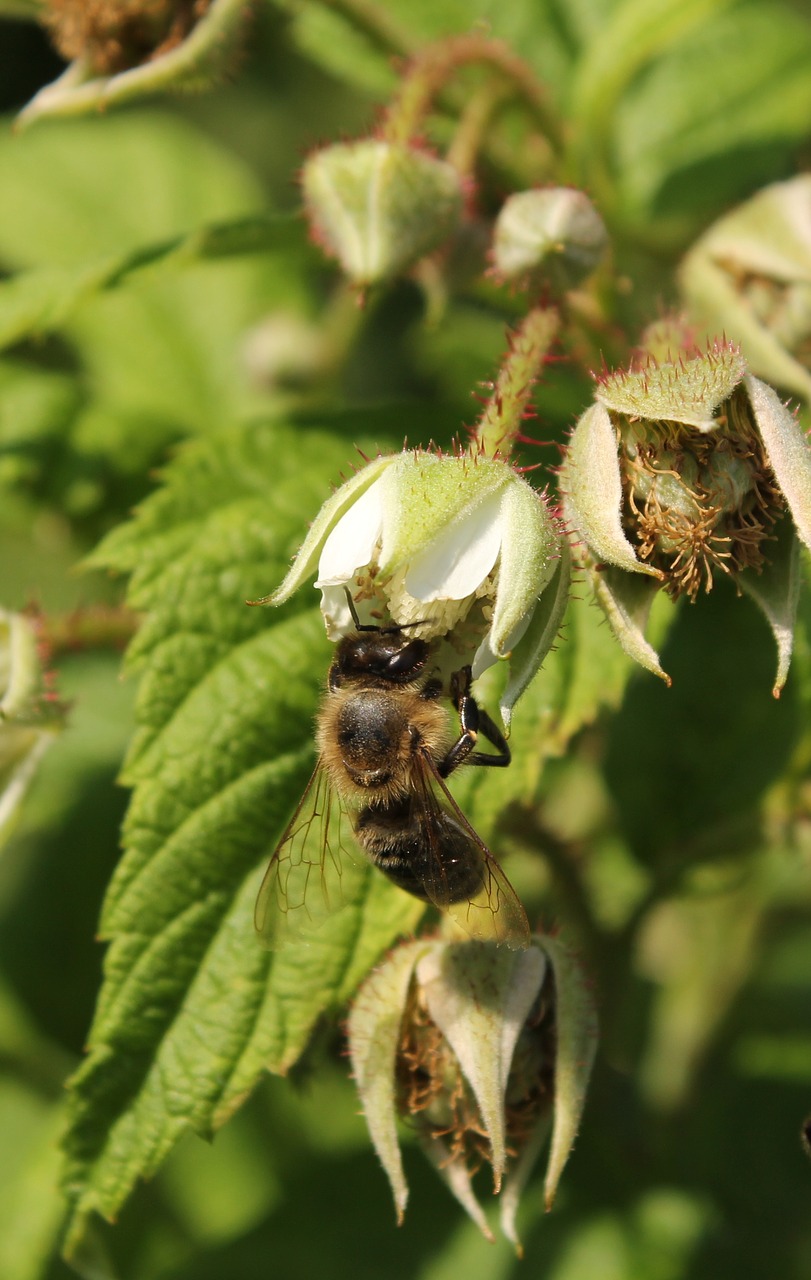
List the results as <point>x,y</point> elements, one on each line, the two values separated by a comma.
<point>460,548</point>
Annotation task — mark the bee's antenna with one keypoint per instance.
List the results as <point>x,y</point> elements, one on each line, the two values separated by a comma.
<point>373,626</point>
<point>352,609</point>
<point>363,626</point>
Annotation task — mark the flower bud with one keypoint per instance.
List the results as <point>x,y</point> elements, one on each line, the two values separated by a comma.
<point>477,1048</point>
<point>378,207</point>
<point>750,276</point>
<point>556,234</point>
<point>29,715</point>
<point>684,468</point>
<point>458,548</point>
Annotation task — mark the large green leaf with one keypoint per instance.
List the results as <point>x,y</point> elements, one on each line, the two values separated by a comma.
<point>193,1009</point>
<point>584,675</point>
<point>634,32</point>
<point>114,183</point>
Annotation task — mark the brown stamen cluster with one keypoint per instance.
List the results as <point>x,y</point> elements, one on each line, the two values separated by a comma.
<point>697,502</point>
<point>432,1090</point>
<point>115,35</point>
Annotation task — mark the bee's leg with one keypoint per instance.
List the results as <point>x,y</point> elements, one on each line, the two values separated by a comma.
<point>493,735</point>
<point>473,722</point>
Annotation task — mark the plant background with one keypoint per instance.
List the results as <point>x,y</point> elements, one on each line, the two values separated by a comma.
<point>668,833</point>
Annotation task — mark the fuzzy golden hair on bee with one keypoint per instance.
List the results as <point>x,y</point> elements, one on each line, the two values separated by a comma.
<point>368,740</point>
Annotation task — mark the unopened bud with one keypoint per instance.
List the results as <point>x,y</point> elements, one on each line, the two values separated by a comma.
<point>555,234</point>
<point>378,207</point>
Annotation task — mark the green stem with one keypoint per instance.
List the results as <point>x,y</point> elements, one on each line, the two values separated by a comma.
<point>503,416</point>
<point>431,69</point>
<point>475,120</point>
<point>92,627</point>
<point>200,59</point>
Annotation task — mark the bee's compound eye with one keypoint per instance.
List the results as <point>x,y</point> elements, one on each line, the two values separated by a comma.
<point>408,660</point>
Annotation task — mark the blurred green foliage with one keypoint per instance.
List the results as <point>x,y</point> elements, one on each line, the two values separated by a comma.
<point>666,832</point>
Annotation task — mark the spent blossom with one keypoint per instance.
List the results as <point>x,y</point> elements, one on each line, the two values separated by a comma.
<point>486,1053</point>
<point>685,468</point>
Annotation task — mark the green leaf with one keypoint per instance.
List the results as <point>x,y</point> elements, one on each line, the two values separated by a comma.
<point>634,32</point>
<point>31,1208</point>
<point>345,50</point>
<point>683,787</point>
<point>355,42</point>
<point>585,673</point>
<point>38,302</point>
<point>114,184</point>
<point>129,199</point>
<point>717,114</point>
<point>192,1009</point>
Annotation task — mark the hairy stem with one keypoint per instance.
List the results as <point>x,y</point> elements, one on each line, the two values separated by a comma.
<point>500,425</point>
<point>431,69</point>
<point>89,627</point>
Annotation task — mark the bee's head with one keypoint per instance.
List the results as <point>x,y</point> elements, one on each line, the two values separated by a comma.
<point>382,653</point>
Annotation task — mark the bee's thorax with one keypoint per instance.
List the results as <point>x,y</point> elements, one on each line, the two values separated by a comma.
<point>369,737</point>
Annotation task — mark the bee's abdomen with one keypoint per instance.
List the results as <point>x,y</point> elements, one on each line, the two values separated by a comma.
<point>441,865</point>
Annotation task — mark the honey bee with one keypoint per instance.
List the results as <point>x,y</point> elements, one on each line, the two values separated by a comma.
<point>384,751</point>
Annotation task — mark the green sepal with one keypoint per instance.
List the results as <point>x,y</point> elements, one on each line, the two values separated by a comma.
<point>591,485</point>
<point>776,591</point>
<point>626,602</point>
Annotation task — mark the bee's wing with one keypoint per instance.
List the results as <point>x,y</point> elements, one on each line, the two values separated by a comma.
<point>302,885</point>
<point>492,910</point>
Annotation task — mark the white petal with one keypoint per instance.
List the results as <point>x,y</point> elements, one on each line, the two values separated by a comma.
<point>458,562</point>
<point>351,544</point>
<point>335,611</point>
<point>331,512</point>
